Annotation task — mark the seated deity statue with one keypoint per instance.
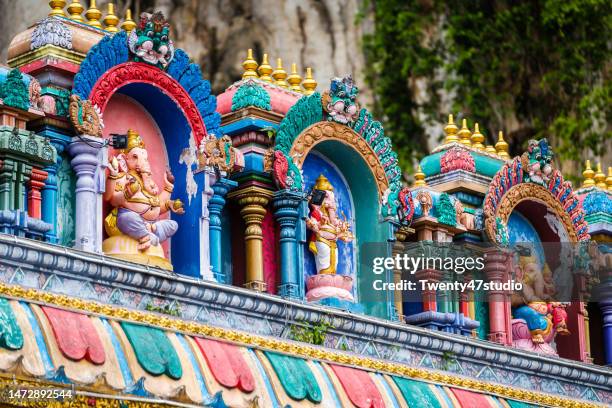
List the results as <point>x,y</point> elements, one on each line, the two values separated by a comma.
<point>138,204</point>
<point>535,304</point>
<point>327,228</point>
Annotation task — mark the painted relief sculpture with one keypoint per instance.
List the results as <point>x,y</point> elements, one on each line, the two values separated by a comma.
<point>538,162</point>
<point>134,226</point>
<point>339,102</point>
<point>327,228</point>
<point>150,42</point>
<point>537,317</point>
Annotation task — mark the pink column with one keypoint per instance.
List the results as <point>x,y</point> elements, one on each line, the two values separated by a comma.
<point>496,270</point>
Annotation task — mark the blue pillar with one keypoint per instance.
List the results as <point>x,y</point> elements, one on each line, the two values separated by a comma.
<point>215,207</point>
<point>606,311</point>
<point>49,191</point>
<point>286,211</point>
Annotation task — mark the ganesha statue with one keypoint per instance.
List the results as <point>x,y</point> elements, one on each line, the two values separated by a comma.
<point>538,318</point>
<point>149,41</point>
<point>340,101</point>
<point>327,229</point>
<point>537,162</point>
<point>134,226</point>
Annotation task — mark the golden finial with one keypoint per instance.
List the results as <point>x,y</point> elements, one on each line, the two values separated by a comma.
<point>323,183</point>
<point>464,134</point>
<point>588,174</point>
<point>249,65</point>
<point>309,82</point>
<point>75,9</point>
<point>280,74</point>
<point>501,147</point>
<point>111,20</point>
<point>128,24</point>
<point>57,7</point>
<point>600,177</point>
<point>477,138</point>
<point>265,69</point>
<point>419,177</point>
<point>490,149</point>
<point>294,79</point>
<point>451,131</point>
<point>609,179</point>
<point>93,15</point>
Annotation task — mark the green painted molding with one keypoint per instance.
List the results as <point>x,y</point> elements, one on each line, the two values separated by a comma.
<point>11,337</point>
<point>486,165</point>
<point>251,93</point>
<point>306,112</point>
<point>14,92</point>
<point>153,350</point>
<point>417,393</point>
<point>26,145</point>
<point>431,164</point>
<point>296,377</point>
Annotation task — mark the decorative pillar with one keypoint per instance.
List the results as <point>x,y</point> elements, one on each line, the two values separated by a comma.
<point>7,184</point>
<point>398,302</point>
<point>429,296</point>
<point>88,153</point>
<point>496,270</point>
<point>286,211</point>
<point>37,179</point>
<point>23,171</point>
<point>215,208</point>
<point>50,192</point>
<point>253,201</point>
<point>606,311</point>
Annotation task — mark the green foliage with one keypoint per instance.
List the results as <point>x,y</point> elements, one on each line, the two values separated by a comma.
<point>169,309</point>
<point>313,333</point>
<point>543,64</point>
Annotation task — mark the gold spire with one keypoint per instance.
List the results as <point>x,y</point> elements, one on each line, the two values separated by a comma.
<point>249,65</point>
<point>609,179</point>
<point>588,174</point>
<point>477,138</point>
<point>111,20</point>
<point>280,74</point>
<point>419,178</point>
<point>75,9</point>
<point>501,147</point>
<point>464,134</point>
<point>309,83</point>
<point>600,177</point>
<point>451,131</point>
<point>265,69</point>
<point>57,7</point>
<point>294,79</point>
<point>490,149</point>
<point>93,15</point>
<point>128,24</point>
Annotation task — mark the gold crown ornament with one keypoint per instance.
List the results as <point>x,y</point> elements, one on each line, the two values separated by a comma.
<point>133,140</point>
<point>323,184</point>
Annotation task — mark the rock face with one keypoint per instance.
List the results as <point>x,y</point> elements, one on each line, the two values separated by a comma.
<point>321,34</point>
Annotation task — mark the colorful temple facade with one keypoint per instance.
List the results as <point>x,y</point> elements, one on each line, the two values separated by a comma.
<point>164,246</point>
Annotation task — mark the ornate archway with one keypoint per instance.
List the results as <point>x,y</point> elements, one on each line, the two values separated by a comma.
<point>327,131</point>
<point>138,72</point>
<point>524,179</point>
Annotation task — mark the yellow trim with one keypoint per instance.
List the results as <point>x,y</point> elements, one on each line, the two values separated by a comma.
<point>45,50</point>
<point>291,348</point>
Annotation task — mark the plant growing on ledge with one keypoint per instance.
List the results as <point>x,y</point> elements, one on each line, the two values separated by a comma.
<point>171,309</point>
<point>313,333</point>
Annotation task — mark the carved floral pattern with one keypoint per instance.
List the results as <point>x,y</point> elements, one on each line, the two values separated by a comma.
<point>457,158</point>
<point>131,72</point>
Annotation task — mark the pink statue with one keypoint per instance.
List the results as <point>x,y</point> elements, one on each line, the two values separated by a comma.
<point>136,198</point>
<point>537,317</point>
